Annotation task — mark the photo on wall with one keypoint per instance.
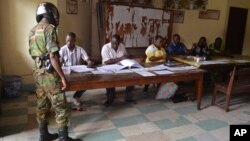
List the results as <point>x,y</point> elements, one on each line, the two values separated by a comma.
<point>71,7</point>
<point>210,14</point>
<point>178,16</point>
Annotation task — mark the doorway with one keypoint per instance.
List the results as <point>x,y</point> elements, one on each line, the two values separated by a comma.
<point>236,30</point>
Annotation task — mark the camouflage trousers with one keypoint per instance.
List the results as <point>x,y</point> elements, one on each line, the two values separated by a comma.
<point>49,94</point>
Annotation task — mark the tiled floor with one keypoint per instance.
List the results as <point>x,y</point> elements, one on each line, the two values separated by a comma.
<point>149,120</point>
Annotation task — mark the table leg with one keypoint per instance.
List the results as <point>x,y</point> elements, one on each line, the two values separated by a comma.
<point>199,89</point>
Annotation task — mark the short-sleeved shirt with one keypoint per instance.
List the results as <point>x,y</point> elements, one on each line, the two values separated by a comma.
<point>109,53</point>
<point>152,50</point>
<point>177,49</point>
<point>200,50</point>
<point>74,57</point>
<point>43,39</point>
<point>216,49</point>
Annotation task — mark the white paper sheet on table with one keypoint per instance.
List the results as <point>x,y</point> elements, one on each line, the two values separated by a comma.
<point>174,68</point>
<point>130,63</point>
<point>137,69</point>
<point>242,61</point>
<point>145,73</point>
<point>163,72</point>
<point>212,62</point>
<point>113,67</point>
<point>81,68</point>
<point>78,68</point>
<point>123,71</point>
<point>189,67</point>
<point>179,68</point>
<point>158,67</point>
<point>101,72</point>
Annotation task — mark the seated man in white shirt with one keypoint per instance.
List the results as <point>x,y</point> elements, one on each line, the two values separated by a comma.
<point>112,53</point>
<point>72,55</point>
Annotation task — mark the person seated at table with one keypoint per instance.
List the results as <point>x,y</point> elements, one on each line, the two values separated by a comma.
<point>155,53</point>
<point>200,49</point>
<point>71,55</point>
<point>112,53</point>
<point>176,47</point>
<point>217,48</point>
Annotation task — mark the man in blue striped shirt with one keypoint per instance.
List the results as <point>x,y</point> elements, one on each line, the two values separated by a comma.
<point>72,55</point>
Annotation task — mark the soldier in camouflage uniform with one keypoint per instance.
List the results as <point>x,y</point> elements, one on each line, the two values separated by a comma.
<point>49,77</point>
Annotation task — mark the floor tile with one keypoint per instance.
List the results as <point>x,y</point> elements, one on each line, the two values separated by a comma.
<point>148,120</point>
<point>81,119</point>
<point>118,113</point>
<point>206,137</point>
<point>152,108</point>
<point>160,115</point>
<point>222,134</point>
<point>184,131</point>
<point>188,139</point>
<point>186,110</point>
<point>166,123</point>
<point>153,136</point>
<point>130,120</point>
<point>211,124</point>
<point>108,135</point>
<point>96,126</point>
<point>138,129</point>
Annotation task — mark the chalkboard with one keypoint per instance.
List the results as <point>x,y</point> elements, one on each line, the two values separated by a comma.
<point>137,26</point>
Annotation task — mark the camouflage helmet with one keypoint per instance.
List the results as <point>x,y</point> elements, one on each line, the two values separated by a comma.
<point>48,10</point>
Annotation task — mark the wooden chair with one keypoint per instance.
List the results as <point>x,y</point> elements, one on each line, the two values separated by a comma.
<point>239,82</point>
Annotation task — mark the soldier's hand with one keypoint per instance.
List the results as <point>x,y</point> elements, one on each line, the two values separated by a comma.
<point>64,84</point>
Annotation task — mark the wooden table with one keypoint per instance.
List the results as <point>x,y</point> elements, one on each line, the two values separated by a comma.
<point>228,63</point>
<point>83,81</point>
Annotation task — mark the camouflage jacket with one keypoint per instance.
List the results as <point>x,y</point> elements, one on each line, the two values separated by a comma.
<point>43,40</point>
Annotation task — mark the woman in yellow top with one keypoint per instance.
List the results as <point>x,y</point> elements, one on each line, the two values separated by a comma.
<point>156,52</point>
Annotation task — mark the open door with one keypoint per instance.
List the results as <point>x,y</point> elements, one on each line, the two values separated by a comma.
<point>236,30</point>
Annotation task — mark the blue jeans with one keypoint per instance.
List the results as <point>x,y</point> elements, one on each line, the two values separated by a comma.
<point>78,94</point>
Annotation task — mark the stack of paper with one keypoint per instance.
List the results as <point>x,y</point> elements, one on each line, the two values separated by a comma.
<point>101,72</point>
<point>162,72</point>
<point>137,69</point>
<point>81,68</point>
<point>130,63</point>
<point>181,68</point>
<point>124,71</point>
<point>158,67</point>
<point>78,68</point>
<point>111,68</point>
<point>145,73</point>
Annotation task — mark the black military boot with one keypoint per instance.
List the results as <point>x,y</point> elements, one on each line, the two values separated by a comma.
<point>63,135</point>
<point>45,135</point>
